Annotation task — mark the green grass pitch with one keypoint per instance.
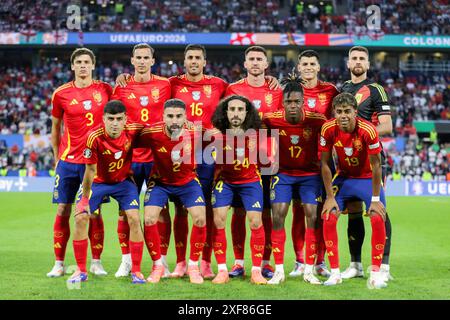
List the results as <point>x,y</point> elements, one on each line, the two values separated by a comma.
<point>419,260</point>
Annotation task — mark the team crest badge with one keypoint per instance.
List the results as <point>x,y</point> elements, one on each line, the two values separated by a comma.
<point>118,154</point>
<point>295,139</point>
<point>87,153</point>
<point>155,94</point>
<point>272,195</point>
<point>143,100</point>
<point>307,133</point>
<point>348,151</point>
<point>87,105</point>
<point>322,98</point>
<point>257,104</point>
<point>97,96</point>
<point>196,95</point>
<point>311,102</point>
<point>176,155</point>
<point>207,90</point>
<point>240,152</point>
<point>269,99</point>
<point>357,144</point>
<point>358,97</point>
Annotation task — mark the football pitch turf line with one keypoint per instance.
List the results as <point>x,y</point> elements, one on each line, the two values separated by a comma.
<point>419,262</point>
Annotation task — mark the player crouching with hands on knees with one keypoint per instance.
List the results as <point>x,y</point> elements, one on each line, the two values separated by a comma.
<point>358,150</point>
<point>108,154</point>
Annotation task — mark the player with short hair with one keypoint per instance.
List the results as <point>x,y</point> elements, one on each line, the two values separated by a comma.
<point>318,96</point>
<point>144,97</point>
<point>108,155</point>
<point>373,106</point>
<point>237,120</point>
<point>299,174</point>
<point>358,151</point>
<point>173,174</point>
<point>256,88</point>
<point>77,107</point>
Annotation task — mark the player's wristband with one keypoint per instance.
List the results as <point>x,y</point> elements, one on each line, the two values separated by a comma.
<point>376,199</point>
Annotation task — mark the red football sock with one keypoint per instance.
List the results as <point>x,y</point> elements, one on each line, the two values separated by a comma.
<point>180,230</point>
<point>320,244</point>
<point>136,249</point>
<point>238,234</point>
<point>96,236</point>
<point>310,246</point>
<point>220,246</point>
<point>331,240</point>
<point>267,223</point>
<point>257,240</point>
<point>164,229</point>
<point>123,232</point>
<point>198,238</point>
<point>151,236</point>
<point>298,230</point>
<point>80,251</point>
<point>278,241</point>
<point>207,249</point>
<point>378,240</point>
<point>61,235</point>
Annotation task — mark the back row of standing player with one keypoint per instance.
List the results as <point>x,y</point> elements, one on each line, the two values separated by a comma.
<point>79,104</point>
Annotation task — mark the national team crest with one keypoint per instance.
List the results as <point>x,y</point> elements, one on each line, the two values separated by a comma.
<point>196,95</point>
<point>176,155</point>
<point>257,104</point>
<point>87,105</point>
<point>348,151</point>
<point>118,154</point>
<point>207,90</point>
<point>295,139</point>
<point>311,102</point>
<point>307,133</point>
<point>97,96</point>
<point>127,146</point>
<point>322,98</point>
<point>155,94</point>
<point>357,144</point>
<point>269,99</point>
<point>143,100</point>
<point>87,153</point>
<point>358,97</point>
<point>240,152</point>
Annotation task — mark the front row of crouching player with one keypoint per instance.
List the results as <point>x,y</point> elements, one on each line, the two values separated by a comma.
<point>302,154</point>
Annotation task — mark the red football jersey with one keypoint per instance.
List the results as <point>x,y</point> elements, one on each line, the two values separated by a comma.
<point>352,149</point>
<point>201,97</point>
<point>112,156</point>
<point>319,99</point>
<point>236,163</point>
<point>174,163</point>
<point>298,143</point>
<point>264,99</point>
<point>81,109</point>
<point>145,104</point>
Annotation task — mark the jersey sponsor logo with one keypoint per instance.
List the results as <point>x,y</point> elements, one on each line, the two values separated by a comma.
<point>57,245</point>
<point>323,142</point>
<point>256,205</point>
<point>199,200</point>
<point>311,102</point>
<point>374,146</point>
<point>276,250</point>
<point>207,90</point>
<point>218,251</point>
<point>106,152</point>
<point>131,96</point>
<point>227,147</point>
<point>196,95</point>
<point>257,104</point>
<point>357,144</point>
<point>295,139</point>
<point>155,94</point>
<point>307,133</point>
<point>87,153</point>
<point>184,90</point>
<point>162,149</point>
<point>338,144</point>
<point>134,203</point>
<point>322,98</point>
<point>240,152</point>
<point>73,102</point>
<point>118,154</point>
<point>87,105</point>
<point>386,107</point>
<point>176,155</point>
<point>97,97</point>
<point>269,98</point>
<point>258,255</point>
<point>143,101</point>
<point>283,133</point>
<point>348,151</point>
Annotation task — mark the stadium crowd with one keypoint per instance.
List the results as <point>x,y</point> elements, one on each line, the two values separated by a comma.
<point>429,17</point>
